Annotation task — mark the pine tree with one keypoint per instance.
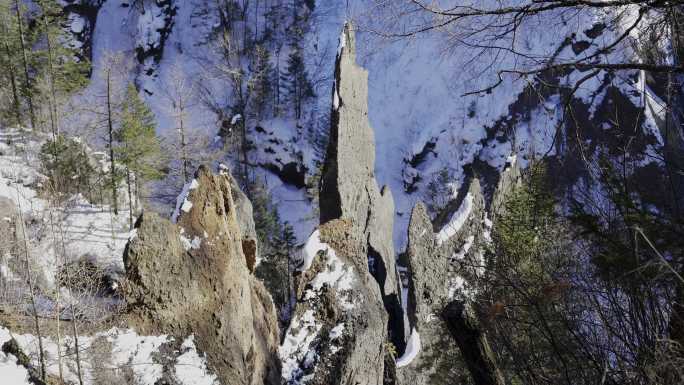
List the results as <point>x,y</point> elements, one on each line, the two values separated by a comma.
<point>296,82</point>
<point>261,84</point>
<point>65,161</point>
<point>9,79</point>
<point>27,89</point>
<point>139,148</point>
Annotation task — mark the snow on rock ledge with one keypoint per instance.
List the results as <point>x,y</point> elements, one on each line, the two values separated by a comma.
<point>457,220</point>
<point>182,202</point>
<point>339,322</point>
<point>412,350</point>
<point>312,247</point>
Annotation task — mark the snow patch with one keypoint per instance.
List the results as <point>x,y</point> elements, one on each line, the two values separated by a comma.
<point>342,43</point>
<point>182,202</point>
<point>188,244</point>
<point>412,350</point>
<point>337,275</point>
<point>295,349</point>
<point>464,250</point>
<point>336,98</point>
<point>191,368</point>
<point>457,220</point>
<point>312,247</point>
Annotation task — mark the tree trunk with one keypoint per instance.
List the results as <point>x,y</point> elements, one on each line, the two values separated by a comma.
<point>51,69</point>
<point>276,105</point>
<point>72,309</point>
<point>181,131</point>
<point>32,296</point>
<point>471,340</point>
<point>130,199</point>
<point>13,82</point>
<point>136,182</point>
<point>110,125</point>
<point>27,80</point>
<point>57,300</point>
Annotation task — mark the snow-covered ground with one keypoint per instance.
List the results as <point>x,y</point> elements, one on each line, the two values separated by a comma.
<point>424,123</point>
<point>115,353</point>
<point>85,230</point>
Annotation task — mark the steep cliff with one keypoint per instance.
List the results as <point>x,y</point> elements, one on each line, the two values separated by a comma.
<point>348,187</point>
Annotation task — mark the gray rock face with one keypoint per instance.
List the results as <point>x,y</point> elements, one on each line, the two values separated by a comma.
<point>339,330</point>
<point>82,16</point>
<point>427,292</point>
<point>348,186</point>
<point>245,217</point>
<point>443,260</point>
<point>193,278</point>
<point>441,264</point>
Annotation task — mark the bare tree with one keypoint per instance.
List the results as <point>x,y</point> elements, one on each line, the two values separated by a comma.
<point>181,94</point>
<point>31,286</point>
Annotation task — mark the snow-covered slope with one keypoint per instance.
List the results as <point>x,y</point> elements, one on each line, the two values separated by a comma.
<point>86,231</point>
<point>425,127</point>
<point>113,355</point>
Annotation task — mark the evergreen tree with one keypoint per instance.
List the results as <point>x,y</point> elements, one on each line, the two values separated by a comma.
<point>261,84</point>
<point>67,165</point>
<point>276,244</point>
<point>9,79</point>
<point>296,82</point>
<point>41,69</point>
<point>138,149</point>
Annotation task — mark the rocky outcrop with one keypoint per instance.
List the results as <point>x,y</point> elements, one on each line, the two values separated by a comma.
<point>245,215</point>
<point>192,277</point>
<point>338,331</point>
<point>349,283</point>
<point>443,260</point>
<point>81,18</point>
<point>348,186</point>
<point>155,23</point>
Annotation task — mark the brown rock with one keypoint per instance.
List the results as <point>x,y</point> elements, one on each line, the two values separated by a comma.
<point>193,278</point>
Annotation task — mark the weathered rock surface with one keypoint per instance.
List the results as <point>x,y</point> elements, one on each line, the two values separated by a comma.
<point>443,259</point>
<point>193,278</point>
<point>245,215</point>
<point>348,186</point>
<point>339,330</point>
<point>82,16</point>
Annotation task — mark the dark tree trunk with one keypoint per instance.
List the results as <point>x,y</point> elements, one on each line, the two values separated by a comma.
<point>13,82</point>
<point>471,340</point>
<point>110,124</point>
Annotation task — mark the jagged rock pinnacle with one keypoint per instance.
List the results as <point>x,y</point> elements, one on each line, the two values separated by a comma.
<point>193,277</point>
